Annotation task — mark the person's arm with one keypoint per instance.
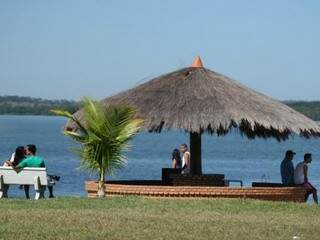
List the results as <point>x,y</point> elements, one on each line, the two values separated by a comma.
<point>12,157</point>
<point>184,167</point>
<point>174,163</point>
<point>291,176</point>
<point>9,163</point>
<point>17,168</point>
<point>291,169</point>
<point>305,173</point>
<point>20,166</point>
<point>187,160</point>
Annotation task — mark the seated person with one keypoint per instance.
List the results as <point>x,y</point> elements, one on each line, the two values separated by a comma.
<point>30,161</point>
<point>301,177</point>
<point>16,157</point>
<point>287,169</point>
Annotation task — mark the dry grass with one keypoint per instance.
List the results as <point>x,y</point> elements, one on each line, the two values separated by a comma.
<point>198,99</point>
<point>142,218</point>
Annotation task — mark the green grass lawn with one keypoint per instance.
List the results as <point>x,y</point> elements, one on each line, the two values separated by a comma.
<point>146,218</point>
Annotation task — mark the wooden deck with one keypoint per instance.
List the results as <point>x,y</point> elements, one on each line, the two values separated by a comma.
<point>156,189</point>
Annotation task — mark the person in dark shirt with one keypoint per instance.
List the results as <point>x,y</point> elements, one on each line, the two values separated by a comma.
<point>16,158</point>
<point>287,168</point>
<point>176,159</point>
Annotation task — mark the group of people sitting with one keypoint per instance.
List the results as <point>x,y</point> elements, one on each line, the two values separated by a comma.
<point>25,156</point>
<point>184,163</point>
<point>290,175</point>
<point>297,176</point>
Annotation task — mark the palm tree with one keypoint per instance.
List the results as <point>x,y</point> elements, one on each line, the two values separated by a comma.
<point>104,137</point>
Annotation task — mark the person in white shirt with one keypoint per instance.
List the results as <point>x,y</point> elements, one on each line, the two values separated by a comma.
<point>301,177</point>
<point>185,159</point>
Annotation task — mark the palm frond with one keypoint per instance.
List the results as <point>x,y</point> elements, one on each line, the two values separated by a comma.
<point>105,136</point>
<point>68,115</point>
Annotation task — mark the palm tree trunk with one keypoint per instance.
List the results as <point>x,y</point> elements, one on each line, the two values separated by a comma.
<point>101,190</point>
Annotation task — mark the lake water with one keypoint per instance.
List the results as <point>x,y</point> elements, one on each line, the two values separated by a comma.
<point>235,156</point>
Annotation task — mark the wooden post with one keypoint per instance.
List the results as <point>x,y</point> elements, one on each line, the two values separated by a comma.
<point>195,153</point>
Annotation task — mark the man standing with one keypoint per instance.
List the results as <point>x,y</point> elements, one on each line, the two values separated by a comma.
<point>287,169</point>
<point>301,177</point>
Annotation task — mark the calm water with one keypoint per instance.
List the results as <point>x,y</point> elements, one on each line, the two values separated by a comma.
<point>236,157</point>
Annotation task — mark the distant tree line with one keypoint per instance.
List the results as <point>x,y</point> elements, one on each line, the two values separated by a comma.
<point>16,105</point>
<point>309,108</point>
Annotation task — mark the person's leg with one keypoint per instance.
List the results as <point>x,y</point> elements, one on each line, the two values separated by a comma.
<point>26,191</point>
<point>307,187</point>
<point>306,197</point>
<point>314,194</point>
<point>312,190</point>
<point>315,197</point>
<point>50,188</point>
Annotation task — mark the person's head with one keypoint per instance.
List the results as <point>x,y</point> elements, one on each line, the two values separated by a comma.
<point>289,155</point>
<point>19,155</point>
<point>183,148</point>
<point>308,158</point>
<point>31,149</point>
<point>176,154</point>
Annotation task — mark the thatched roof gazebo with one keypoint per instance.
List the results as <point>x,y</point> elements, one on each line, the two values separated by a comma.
<point>199,100</point>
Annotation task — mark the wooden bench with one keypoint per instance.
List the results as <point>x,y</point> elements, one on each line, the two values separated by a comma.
<point>27,176</point>
<point>173,177</point>
<point>166,175</point>
<point>270,184</point>
<point>197,180</point>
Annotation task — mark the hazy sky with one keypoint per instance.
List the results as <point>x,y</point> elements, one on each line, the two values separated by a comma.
<point>68,49</point>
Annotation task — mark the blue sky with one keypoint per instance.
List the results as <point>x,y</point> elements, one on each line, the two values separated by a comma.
<point>68,49</point>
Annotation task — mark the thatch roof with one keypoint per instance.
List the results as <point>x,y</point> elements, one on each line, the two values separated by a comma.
<point>197,99</point>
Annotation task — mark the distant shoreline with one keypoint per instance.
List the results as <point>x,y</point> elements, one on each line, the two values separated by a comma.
<point>28,106</point>
<point>16,105</point>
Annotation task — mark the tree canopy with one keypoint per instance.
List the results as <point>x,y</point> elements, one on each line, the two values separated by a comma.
<point>15,105</point>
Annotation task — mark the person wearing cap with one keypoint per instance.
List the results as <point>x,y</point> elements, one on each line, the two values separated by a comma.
<point>301,177</point>
<point>287,169</point>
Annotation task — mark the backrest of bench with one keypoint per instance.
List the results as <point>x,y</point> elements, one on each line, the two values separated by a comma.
<point>25,176</point>
<point>197,180</point>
